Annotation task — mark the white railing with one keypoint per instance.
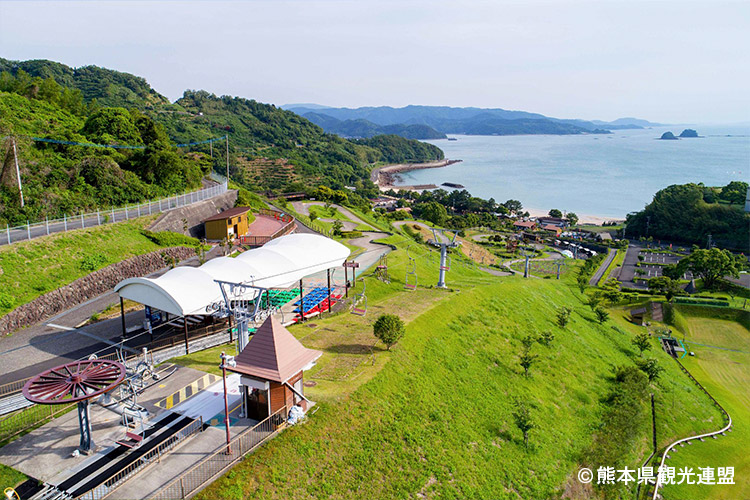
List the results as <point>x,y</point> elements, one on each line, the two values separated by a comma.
<point>29,231</point>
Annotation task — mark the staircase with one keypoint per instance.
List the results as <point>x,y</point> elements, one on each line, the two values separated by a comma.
<point>657,312</point>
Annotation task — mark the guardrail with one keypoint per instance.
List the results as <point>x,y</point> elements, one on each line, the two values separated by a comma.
<point>725,414</point>
<point>108,486</point>
<point>29,231</point>
<point>212,466</point>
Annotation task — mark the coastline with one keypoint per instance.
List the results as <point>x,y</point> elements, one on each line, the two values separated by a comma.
<point>385,177</point>
<point>582,218</point>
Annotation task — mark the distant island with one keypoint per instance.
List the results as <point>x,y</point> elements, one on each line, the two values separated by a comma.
<point>668,136</point>
<point>687,133</point>
<point>434,122</point>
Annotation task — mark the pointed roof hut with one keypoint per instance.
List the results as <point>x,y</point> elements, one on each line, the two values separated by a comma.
<point>274,354</point>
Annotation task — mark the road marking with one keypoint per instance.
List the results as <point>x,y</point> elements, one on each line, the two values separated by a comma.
<point>187,391</point>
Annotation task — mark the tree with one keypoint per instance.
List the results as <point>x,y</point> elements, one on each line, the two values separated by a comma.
<point>388,328</point>
<point>601,314</point>
<point>642,342</point>
<point>572,218</point>
<point>734,192</point>
<point>650,367</point>
<point>526,359</point>
<point>555,213</point>
<point>433,212</point>
<point>583,282</point>
<point>563,316</point>
<point>594,301</point>
<point>337,228</point>
<point>711,265</point>
<point>523,420</point>
<point>528,341</point>
<point>611,291</point>
<point>513,206</point>
<point>664,285</point>
<point>546,337</point>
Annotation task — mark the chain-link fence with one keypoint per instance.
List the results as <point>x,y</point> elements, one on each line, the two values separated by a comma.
<point>107,216</point>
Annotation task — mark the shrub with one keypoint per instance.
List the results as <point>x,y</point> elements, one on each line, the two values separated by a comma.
<point>563,317</point>
<point>388,328</point>
<point>93,262</point>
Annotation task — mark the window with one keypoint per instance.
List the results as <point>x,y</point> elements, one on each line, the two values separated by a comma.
<point>229,221</point>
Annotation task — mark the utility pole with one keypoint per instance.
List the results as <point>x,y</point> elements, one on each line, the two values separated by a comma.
<point>18,171</point>
<point>710,242</point>
<point>227,137</point>
<point>648,223</point>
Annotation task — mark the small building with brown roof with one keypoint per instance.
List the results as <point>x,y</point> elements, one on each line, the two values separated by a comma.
<point>525,224</point>
<point>231,223</point>
<point>551,228</point>
<point>271,367</point>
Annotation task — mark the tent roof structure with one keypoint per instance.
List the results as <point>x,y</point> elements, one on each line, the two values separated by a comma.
<point>279,263</point>
<point>273,354</point>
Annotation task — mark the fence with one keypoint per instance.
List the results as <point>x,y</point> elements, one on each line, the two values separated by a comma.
<point>210,467</point>
<point>82,221</point>
<point>153,456</point>
<point>257,241</point>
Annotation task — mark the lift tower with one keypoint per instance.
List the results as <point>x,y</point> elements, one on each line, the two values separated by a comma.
<point>444,243</point>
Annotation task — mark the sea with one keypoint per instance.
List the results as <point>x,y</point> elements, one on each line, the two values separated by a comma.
<point>605,176</point>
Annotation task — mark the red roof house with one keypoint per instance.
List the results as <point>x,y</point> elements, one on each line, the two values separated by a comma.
<point>525,224</point>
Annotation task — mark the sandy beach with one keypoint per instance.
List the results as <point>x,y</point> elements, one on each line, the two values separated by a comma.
<point>582,218</point>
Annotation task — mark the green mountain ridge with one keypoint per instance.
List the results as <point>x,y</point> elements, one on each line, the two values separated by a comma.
<point>96,105</point>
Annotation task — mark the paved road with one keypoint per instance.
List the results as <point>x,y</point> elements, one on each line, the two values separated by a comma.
<point>304,209</point>
<point>442,237</point>
<point>600,272</point>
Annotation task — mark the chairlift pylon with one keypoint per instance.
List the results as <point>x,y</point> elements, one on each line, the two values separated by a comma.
<point>411,279</point>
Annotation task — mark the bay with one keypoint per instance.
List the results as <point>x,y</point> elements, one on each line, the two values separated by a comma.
<point>597,175</point>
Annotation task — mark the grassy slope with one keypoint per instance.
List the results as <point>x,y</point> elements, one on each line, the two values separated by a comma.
<point>726,375</point>
<point>54,261</point>
<point>436,417</point>
<point>10,478</point>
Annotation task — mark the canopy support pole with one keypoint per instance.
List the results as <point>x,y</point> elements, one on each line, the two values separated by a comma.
<point>301,303</point>
<point>122,317</point>
<point>187,345</point>
<point>328,274</point>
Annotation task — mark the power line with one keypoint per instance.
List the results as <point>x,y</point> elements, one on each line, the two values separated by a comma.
<point>120,146</point>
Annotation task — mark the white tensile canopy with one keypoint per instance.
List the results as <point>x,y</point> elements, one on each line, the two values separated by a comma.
<point>277,264</point>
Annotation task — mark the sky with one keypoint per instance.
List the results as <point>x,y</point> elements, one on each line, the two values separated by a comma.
<point>670,61</point>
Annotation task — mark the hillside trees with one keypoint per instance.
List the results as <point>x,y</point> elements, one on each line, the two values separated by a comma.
<point>680,213</point>
<point>711,265</point>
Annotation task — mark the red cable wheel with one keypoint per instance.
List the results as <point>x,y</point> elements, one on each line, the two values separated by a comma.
<point>74,382</point>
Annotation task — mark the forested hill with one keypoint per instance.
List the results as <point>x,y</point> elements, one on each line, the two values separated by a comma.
<point>689,213</point>
<point>270,148</point>
<point>106,86</point>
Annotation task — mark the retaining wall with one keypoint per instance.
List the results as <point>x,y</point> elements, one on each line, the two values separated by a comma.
<point>88,287</point>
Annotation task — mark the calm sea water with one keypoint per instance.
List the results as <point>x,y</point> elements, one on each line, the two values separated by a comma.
<point>602,175</point>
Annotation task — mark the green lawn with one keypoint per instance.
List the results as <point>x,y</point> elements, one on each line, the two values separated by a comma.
<point>726,375</point>
<point>432,417</point>
<point>31,268</point>
<point>10,478</point>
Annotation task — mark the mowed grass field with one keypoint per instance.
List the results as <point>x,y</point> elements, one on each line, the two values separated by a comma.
<point>726,375</point>
<point>432,418</point>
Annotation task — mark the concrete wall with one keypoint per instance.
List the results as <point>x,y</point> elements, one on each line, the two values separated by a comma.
<point>195,214</point>
<point>87,288</point>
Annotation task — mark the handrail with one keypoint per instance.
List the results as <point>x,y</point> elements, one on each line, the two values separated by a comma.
<point>690,438</point>
<point>109,485</point>
<point>185,484</point>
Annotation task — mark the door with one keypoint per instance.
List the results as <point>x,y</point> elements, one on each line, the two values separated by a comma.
<point>257,404</point>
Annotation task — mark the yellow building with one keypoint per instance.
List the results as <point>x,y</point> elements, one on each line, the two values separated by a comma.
<point>227,224</point>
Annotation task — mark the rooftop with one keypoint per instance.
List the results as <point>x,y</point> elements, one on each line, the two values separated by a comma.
<point>274,354</point>
<point>226,214</point>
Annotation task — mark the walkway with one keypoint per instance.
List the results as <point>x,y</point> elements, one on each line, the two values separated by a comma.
<point>594,281</point>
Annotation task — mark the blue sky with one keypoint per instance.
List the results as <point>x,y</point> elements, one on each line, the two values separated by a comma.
<point>673,61</point>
